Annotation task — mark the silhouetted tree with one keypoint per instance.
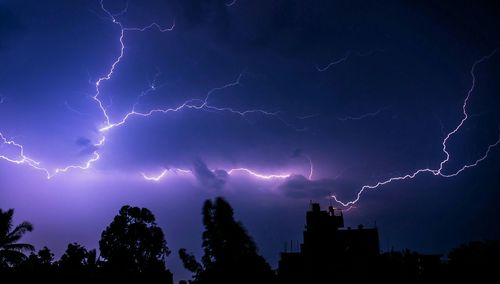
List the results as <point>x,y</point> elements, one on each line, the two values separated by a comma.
<point>77,261</point>
<point>39,264</point>
<point>11,252</point>
<point>190,262</point>
<point>230,254</point>
<point>133,244</point>
<point>45,256</point>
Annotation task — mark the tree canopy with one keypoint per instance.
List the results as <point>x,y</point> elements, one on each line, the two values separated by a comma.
<point>230,254</point>
<point>133,243</point>
<point>12,252</point>
<point>77,260</point>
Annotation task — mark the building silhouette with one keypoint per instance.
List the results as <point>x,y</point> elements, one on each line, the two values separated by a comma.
<point>330,252</point>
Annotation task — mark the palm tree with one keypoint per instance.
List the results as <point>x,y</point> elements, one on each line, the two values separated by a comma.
<point>11,252</point>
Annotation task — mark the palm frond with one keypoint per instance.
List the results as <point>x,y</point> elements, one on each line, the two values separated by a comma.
<point>21,229</point>
<point>6,221</point>
<point>19,247</point>
<point>11,257</point>
<point>9,238</point>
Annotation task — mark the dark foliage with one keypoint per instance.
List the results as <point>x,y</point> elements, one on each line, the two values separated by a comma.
<point>41,264</point>
<point>11,252</point>
<point>77,261</point>
<point>133,249</point>
<point>134,246</point>
<point>230,254</point>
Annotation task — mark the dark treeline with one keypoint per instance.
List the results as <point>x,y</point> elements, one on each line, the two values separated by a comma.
<point>133,248</point>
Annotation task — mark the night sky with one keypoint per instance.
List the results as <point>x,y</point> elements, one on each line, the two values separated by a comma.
<point>328,96</point>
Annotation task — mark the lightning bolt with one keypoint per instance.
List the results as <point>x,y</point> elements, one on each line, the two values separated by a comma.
<point>155,178</point>
<point>229,172</point>
<point>196,104</point>
<point>363,116</point>
<point>229,4</point>
<point>72,109</point>
<point>350,208</point>
<point>311,166</point>
<point>308,116</point>
<point>109,75</point>
<point>176,171</point>
<point>235,171</point>
<point>153,86</point>
<point>204,105</point>
<point>346,57</point>
<point>23,159</point>
<point>444,143</point>
<point>257,175</point>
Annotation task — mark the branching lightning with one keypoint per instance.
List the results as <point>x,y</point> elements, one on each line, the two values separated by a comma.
<point>440,169</point>
<point>350,208</point>
<point>72,109</point>
<point>155,178</point>
<point>363,116</point>
<point>23,159</point>
<point>229,172</point>
<point>311,166</point>
<point>345,58</point>
<point>108,76</point>
<point>229,4</point>
<point>203,104</point>
<point>257,175</point>
<point>196,104</point>
<point>308,116</point>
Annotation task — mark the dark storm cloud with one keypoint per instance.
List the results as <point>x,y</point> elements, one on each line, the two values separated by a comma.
<point>471,21</point>
<point>285,26</point>
<point>9,26</point>
<point>299,187</point>
<point>297,27</point>
<point>222,174</point>
<point>86,146</point>
<point>297,153</point>
<point>82,141</point>
<point>208,178</point>
<point>211,14</point>
<point>423,74</point>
